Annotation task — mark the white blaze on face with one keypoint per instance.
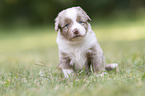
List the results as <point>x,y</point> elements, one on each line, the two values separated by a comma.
<point>72,14</point>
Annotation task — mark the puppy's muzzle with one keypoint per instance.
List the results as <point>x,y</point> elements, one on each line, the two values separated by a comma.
<point>76,33</point>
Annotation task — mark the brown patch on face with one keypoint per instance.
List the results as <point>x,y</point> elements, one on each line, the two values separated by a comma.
<point>83,17</point>
<point>65,22</point>
<point>65,27</point>
<point>82,20</point>
<point>82,12</point>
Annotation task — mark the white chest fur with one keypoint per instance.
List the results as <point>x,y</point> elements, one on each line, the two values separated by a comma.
<point>77,55</point>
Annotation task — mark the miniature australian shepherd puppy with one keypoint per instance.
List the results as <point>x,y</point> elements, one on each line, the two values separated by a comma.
<point>78,46</point>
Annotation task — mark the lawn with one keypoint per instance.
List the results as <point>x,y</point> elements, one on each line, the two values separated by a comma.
<point>29,56</point>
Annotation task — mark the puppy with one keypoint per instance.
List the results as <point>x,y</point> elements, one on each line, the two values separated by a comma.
<point>77,44</point>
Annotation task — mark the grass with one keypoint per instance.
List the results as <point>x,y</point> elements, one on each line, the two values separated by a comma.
<point>28,60</point>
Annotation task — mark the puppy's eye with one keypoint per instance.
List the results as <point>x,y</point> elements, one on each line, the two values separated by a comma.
<point>66,25</point>
<point>81,22</point>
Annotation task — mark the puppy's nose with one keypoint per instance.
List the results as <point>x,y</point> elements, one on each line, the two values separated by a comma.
<point>76,32</point>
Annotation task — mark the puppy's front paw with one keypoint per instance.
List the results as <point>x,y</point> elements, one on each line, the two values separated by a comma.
<point>68,72</point>
<point>102,74</point>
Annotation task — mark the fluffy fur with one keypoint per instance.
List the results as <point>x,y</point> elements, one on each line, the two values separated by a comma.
<point>77,43</point>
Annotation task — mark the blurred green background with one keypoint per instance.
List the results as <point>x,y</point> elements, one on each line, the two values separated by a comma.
<point>36,12</point>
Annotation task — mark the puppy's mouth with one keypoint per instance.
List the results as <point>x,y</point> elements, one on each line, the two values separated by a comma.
<point>76,37</point>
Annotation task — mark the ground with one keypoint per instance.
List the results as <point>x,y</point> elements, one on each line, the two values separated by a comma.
<point>29,56</point>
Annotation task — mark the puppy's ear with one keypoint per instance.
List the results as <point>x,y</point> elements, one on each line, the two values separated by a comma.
<point>89,19</point>
<point>57,26</point>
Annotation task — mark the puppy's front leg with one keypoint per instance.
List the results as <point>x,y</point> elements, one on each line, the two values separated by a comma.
<point>97,59</point>
<point>64,61</point>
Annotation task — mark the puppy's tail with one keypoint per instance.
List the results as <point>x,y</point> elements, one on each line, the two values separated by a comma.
<point>112,66</point>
